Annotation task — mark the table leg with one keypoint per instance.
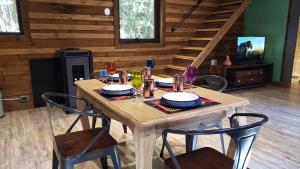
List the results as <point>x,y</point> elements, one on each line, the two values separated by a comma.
<point>242,121</point>
<point>144,140</point>
<point>84,120</point>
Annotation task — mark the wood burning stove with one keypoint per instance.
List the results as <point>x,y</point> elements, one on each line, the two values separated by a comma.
<point>59,74</point>
<point>76,65</point>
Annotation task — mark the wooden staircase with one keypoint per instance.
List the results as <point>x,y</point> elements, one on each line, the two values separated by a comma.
<point>211,33</point>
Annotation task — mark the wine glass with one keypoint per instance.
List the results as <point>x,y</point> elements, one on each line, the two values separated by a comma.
<point>111,69</point>
<point>191,75</point>
<point>136,81</point>
<point>150,63</point>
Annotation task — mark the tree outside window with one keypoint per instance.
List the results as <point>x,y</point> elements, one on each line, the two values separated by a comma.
<point>139,22</point>
<point>137,19</point>
<point>9,17</point>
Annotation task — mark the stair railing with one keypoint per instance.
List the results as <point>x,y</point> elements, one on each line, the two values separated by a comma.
<point>220,34</point>
<point>186,16</point>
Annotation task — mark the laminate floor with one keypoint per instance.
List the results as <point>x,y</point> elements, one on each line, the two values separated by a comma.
<point>25,140</point>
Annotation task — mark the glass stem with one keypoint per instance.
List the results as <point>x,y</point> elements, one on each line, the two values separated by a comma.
<point>191,84</point>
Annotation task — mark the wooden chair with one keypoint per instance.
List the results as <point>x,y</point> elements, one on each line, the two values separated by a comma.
<point>96,75</point>
<point>212,82</point>
<point>209,158</point>
<point>80,146</point>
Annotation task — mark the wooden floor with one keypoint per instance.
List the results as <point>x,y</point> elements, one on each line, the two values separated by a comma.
<point>25,141</point>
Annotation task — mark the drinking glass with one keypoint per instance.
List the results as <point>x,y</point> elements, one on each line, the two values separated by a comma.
<point>111,69</point>
<point>123,77</point>
<point>137,81</point>
<point>191,75</point>
<point>103,74</point>
<point>150,63</point>
<point>178,83</point>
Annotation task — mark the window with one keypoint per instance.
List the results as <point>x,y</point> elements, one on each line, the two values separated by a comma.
<point>138,21</point>
<point>10,19</point>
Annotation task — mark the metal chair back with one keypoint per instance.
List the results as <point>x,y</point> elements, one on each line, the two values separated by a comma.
<point>213,82</point>
<point>53,106</point>
<point>243,136</point>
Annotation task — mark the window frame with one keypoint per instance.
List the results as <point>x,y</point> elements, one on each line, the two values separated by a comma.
<point>159,22</point>
<point>24,26</point>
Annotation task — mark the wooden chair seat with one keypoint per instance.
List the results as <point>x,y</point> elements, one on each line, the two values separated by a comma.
<point>73,143</point>
<point>204,158</point>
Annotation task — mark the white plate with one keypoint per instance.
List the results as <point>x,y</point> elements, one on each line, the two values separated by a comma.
<point>180,96</point>
<point>116,75</point>
<point>165,80</point>
<point>117,87</point>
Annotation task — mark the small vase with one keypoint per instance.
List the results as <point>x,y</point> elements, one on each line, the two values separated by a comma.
<point>227,61</point>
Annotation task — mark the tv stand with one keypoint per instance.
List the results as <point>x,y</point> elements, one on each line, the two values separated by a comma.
<point>248,76</point>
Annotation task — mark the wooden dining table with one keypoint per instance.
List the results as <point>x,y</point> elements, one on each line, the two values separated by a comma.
<point>147,123</point>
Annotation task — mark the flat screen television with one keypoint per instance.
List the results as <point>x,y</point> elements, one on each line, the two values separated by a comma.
<point>250,49</point>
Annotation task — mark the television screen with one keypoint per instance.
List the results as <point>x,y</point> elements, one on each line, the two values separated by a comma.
<point>251,48</point>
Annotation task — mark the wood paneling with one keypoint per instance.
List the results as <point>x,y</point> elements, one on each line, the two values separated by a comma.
<point>55,24</point>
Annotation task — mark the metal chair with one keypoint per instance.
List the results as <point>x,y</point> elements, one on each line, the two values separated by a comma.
<point>97,75</point>
<point>208,158</point>
<point>216,83</point>
<point>80,146</point>
<point>212,82</point>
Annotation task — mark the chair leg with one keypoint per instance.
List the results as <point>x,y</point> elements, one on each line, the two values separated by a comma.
<point>162,151</point>
<point>66,165</point>
<point>104,124</point>
<point>222,143</point>
<point>94,122</point>
<point>125,128</point>
<point>103,161</point>
<point>189,142</point>
<point>115,158</point>
<point>54,161</point>
<point>220,126</point>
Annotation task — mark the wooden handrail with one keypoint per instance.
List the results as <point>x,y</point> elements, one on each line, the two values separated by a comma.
<point>220,34</point>
<point>175,27</point>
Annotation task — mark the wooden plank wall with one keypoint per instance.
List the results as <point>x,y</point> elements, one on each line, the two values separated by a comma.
<point>56,24</point>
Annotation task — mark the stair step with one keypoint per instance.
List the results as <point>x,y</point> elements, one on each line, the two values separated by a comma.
<point>215,20</point>
<point>191,58</point>
<point>164,75</point>
<point>223,12</point>
<point>193,48</point>
<point>199,39</point>
<point>180,68</point>
<point>231,3</point>
<point>208,29</point>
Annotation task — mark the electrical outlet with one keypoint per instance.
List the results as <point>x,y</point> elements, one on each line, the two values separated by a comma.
<point>24,98</point>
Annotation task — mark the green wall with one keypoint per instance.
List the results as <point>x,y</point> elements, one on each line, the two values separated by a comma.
<point>269,18</point>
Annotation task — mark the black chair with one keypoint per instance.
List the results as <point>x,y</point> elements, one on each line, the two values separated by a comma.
<point>212,82</point>
<point>96,75</point>
<point>76,147</point>
<point>209,158</point>
<point>216,83</point>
